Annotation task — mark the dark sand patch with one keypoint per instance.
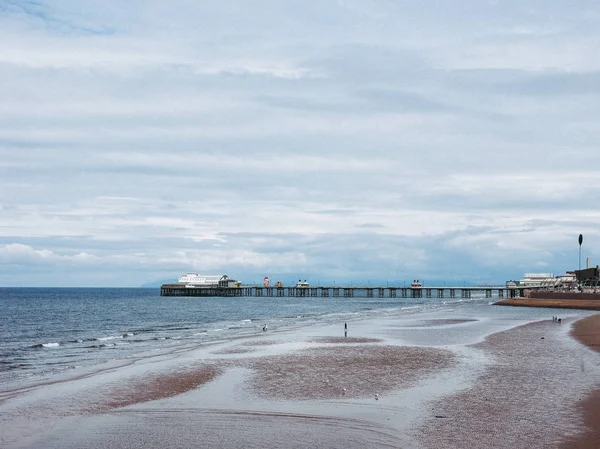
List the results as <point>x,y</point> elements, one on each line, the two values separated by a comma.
<point>235,350</point>
<point>363,371</point>
<point>157,387</point>
<point>339,340</point>
<point>261,343</point>
<point>587,331</point>
<point>245,347</point>
<point>521,401</point>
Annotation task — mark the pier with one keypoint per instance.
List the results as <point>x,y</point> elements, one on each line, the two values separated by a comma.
<point>338,291</point>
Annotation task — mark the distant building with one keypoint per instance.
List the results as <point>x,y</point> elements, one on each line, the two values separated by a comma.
<point>226,282</point>
<point>543,280</point>
<point>201,280</point>
<point>204,280</point>
<point>588,275</point>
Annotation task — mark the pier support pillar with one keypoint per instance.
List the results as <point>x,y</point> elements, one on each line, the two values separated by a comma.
<point>416,293</point>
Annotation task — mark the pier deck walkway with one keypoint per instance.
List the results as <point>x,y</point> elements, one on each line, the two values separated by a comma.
<point>338,291</point>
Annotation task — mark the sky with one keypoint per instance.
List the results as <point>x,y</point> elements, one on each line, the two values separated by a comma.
<point>335,141</point>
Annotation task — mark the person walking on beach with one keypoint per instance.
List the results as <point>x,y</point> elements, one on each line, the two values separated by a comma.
<point>345,330</point>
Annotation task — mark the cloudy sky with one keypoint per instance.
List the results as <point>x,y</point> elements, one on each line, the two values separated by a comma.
<point>328,140</point>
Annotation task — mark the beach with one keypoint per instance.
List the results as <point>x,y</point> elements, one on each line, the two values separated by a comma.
<point>587,331</point>
<point>451,378</point>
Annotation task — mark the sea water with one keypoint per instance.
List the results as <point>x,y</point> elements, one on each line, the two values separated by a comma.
<point>48,331</point>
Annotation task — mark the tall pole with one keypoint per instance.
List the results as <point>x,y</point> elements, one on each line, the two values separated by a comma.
<point>579,273</point>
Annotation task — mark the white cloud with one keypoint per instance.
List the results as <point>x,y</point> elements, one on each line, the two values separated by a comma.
<point>335,139</point>
<point>16,253</point>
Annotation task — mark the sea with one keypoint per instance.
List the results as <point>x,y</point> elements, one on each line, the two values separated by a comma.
<point>46,332</point>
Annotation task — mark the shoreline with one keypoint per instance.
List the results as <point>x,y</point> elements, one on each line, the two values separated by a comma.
<point>529,396</point>
<point>580,304</point>
<point>447,379</point>
<point>587,332</point>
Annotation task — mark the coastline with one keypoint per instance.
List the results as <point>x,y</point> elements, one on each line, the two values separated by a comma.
<point>529,397</point>
<point>447,379</point>
<point>581,304</point>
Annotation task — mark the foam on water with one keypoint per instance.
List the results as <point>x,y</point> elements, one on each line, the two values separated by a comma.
<point>112,337</point>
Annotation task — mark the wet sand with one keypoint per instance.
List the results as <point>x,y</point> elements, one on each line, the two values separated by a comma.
<point>587,331</point>
<point>525,387</point>
<point>583,304</point>
<point>358,371</point>
<point>590,410</point>
<point>152,388</point>
<point>536,394</point>
<point>436,322</point>
<point>519,401</point>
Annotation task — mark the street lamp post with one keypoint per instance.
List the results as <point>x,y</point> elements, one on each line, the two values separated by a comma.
<point>579,273</point>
